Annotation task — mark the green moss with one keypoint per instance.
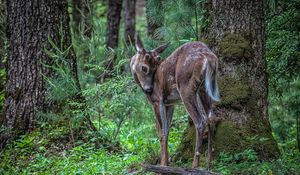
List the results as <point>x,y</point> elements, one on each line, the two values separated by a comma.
<point>229,138</point>
<point>254,134</point>
<point>233,91</point>
<point>232,139</point>
<point>262,139</point>
<point>185,152</point>
<point>235,46</point>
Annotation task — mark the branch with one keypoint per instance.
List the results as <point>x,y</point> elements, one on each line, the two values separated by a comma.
<point>176,170</point>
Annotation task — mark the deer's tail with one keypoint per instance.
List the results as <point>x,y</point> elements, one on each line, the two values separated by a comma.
<point>211,84</point>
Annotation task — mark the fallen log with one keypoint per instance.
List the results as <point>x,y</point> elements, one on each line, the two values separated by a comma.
<point>176,170</point>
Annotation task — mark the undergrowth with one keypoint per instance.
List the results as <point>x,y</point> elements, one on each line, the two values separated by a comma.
<point>123,118</point>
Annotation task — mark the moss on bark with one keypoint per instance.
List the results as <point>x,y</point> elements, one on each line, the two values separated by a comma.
<point>233,91</point>
<point>235,46</point>
<point>232,139</point>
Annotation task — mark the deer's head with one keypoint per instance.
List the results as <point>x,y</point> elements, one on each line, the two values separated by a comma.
<point>145,63</point>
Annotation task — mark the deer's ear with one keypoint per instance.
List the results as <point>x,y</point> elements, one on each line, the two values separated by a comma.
<point>161,48</point>
<point>138,44</point>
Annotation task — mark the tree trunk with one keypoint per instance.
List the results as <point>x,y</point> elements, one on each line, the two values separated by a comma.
<point>140,7</point>
<point>129,31</point>
<point>81,17</point>
<point>113,23</point>
<point>112,34</point>
<point>30,24</point>
<point>129,21</point>
<point>3,43</point>
<point>154,15</point>
<point>236,34</point>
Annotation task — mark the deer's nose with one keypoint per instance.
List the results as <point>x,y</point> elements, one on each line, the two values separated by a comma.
<point>148,90</point>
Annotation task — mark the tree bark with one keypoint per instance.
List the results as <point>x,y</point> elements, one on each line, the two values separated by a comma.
<point>30,25</point>
<point>129,30</point>
<point>3,54</point>
<point>81,17</point>
<point>129,21</point>
<point>113,23</point>
<point>112,34</point>
<point>154,15</point>
<point>236,34</point>
<point>2,32</point>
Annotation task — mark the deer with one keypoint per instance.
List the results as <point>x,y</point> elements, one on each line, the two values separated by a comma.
<point>188,75</point>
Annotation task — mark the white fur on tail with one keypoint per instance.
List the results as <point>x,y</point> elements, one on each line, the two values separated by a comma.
<point>211,84</point>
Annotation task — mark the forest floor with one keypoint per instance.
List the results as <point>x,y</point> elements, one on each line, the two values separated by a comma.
<point>53,150</point>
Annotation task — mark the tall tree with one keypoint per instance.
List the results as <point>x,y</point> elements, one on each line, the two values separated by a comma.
<point>155,16</point>
<point>129,21</point>
<point>30,25</point>
<point>236,33</point>
<point>112,32</point>
<point>81,16</point>
<point>129,30</point>
<point>3,43</point>
<point>113,23</point>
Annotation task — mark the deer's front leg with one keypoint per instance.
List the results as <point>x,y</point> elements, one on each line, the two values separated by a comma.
<point>163,130</point>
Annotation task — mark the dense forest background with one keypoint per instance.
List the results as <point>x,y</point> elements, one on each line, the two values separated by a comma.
<point>69,104</point>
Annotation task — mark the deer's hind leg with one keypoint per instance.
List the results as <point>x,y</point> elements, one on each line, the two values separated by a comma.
<point>197,113</point>
<point>207,104</point>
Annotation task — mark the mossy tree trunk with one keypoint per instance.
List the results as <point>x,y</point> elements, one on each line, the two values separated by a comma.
<point>236,33</point>
<point>30,25</point>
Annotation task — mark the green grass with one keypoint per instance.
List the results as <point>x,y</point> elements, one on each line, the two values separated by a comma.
<point>50,151</point>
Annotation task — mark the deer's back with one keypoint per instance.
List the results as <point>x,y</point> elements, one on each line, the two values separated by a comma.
<point>186,58</point>
<point>184,63</point>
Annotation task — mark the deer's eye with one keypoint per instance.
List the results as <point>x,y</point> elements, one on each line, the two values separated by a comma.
<point>144,69</point>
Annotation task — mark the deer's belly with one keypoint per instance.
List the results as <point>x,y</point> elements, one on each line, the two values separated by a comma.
<point>172,98</point>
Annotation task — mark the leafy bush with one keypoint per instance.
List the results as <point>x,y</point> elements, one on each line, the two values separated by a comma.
<point>283,67</point>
